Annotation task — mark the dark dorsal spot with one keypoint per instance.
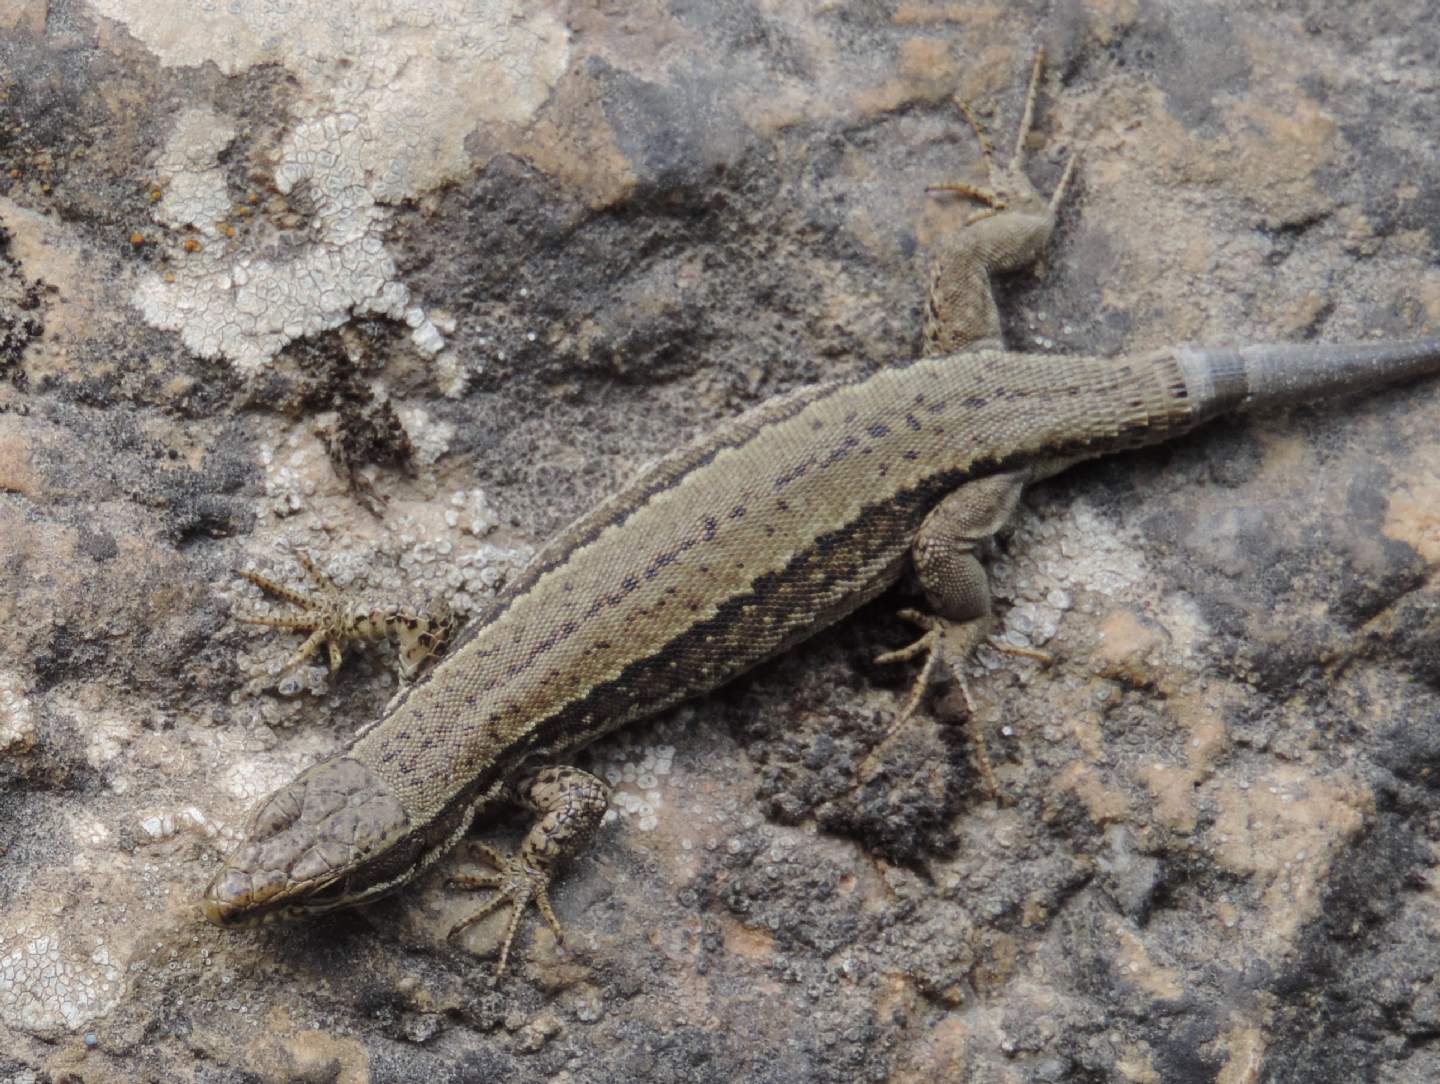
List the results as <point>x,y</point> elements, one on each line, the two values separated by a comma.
<point>795,473</point>
<point>842,451</point>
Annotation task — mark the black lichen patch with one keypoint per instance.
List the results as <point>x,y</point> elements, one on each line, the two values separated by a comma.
<point>327,374</point>
<point>366,430</point>
<point>1362,983</point>
<point>824,761</point>
<point>21,321</point>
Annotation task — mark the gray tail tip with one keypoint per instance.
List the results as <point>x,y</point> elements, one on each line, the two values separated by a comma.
<point>1276,374</point>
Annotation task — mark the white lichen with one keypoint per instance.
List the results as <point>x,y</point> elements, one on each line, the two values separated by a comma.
<point>51,981</point>
<point>17,722</point>
<point>634,771</point>
<point>390,92</point>
<point>166,824</point>
<point>470,511</point>
<point>195,193</point>
<point>1052,555</point>
<point>244,306</point>
<point>429,437</point>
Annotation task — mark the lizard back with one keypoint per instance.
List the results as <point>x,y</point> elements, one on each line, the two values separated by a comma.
<point>739,545</point>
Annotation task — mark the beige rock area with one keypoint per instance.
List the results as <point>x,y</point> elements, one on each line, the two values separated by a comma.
<point>409,283</point>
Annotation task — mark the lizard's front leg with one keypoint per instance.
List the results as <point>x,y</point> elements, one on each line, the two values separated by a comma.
<point>334,618</point>
<point>571,804</point>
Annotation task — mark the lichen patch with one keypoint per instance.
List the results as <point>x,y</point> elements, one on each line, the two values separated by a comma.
<point>390,93</point>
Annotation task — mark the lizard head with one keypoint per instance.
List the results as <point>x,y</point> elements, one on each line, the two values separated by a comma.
<point>333,836</point>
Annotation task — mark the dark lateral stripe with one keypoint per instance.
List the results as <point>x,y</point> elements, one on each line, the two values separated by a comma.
<point>733,641</point>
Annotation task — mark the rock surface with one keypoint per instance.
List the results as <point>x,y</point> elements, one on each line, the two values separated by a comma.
<point>410,284</point>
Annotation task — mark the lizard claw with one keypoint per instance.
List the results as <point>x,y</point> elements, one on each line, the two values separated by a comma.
<point>1009,188</point>
<point>1044,658</point>
<point>323,614</point>
<point>931,645</point>
<point>952,642</point>
<point>516,883</point>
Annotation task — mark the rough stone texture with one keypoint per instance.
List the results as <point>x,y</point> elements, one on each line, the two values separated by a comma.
<point>411,284</point>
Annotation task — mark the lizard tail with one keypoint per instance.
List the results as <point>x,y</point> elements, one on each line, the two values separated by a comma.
<point>1279,374</point>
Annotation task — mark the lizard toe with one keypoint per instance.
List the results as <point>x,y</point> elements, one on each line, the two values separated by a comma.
<point>516,884</point>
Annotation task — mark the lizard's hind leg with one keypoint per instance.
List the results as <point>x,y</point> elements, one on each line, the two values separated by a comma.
<point>946,557</point>
<point>1009,233</point>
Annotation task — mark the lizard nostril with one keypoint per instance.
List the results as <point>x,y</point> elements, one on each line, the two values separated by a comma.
<point>221,904</point>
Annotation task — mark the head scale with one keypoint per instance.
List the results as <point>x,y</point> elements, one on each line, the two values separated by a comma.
<point>333,836</point>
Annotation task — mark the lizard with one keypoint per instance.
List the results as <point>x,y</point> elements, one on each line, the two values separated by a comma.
<point>727,552</point>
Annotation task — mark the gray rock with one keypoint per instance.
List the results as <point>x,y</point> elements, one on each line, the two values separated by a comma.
<point>410,285</point>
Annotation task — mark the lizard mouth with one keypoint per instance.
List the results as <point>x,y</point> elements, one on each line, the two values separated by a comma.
<point>233,900</point>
